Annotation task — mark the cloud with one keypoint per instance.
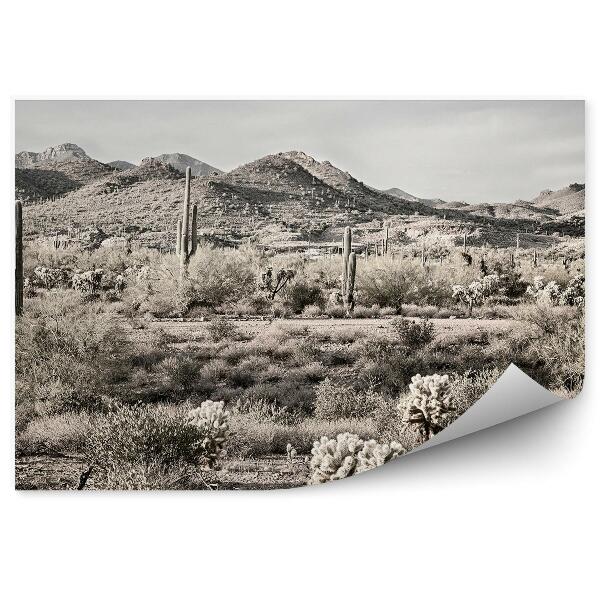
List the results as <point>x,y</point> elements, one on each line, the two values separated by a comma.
<point>459,150</point>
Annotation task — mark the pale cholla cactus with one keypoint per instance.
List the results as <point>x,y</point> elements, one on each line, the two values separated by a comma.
<point>470,295</point>
<point>334,459</point>
<point>574,293</point>
<point>549,294</point>
<point>88,283</point>
<point>490,284</point>
<point>429,403</point>
<point>346,455</point>
<point>374,454</point>
<point>536,288</point>
<point>50,277</point>
<point>291,452</point>
<point>212,420</point>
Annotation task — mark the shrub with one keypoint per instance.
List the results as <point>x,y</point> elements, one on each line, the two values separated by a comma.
<point>66,432</point>
<point>312,310</point>
<point>67,354</point>
<point>138,434</point>
<point>470,386</point>
<point>365,312</point>
<point>302,293</point>
<point>180,371</point>
<point>220,329</point>
<point>413,334</point>
<point>335,401</point>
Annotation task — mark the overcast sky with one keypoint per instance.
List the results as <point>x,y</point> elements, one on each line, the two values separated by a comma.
<point>474,151</point>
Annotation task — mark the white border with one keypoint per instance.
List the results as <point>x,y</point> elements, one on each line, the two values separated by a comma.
<point>510,512</point>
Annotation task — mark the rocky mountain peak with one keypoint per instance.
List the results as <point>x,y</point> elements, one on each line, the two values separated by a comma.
<point>59,153</point>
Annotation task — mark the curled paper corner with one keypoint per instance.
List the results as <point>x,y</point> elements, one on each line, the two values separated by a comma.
<point>513,395</point>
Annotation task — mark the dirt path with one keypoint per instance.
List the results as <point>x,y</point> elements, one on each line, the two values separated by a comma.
<point>445,329</point>
<point>264,473</point>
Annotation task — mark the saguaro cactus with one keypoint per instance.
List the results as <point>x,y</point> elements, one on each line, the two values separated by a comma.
<point>19,257</point>
<point>386,239</point>
<point>464,242</point>
<point>348,272</point>
<point>518,240</point>
<point>187,238</point>
<point>535,257</point>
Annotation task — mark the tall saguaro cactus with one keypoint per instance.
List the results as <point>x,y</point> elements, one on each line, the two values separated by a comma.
<point>386,239</point>
<point>348,272</point>
<point>19,258</point>
<point>187,237</point>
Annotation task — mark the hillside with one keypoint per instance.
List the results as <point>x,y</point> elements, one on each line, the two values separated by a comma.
<point>48,179</point>
<point>281,200</point>
<point>431,202</point>
<point>568,200</point>
<point>182,161</point>
<point>121,165</point>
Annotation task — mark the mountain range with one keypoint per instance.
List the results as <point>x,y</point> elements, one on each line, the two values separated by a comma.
<point>280,198</point>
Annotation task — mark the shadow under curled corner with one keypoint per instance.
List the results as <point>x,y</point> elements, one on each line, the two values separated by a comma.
<point>513,395</point>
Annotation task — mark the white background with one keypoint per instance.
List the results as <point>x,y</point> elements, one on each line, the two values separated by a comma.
<point>507,513</point>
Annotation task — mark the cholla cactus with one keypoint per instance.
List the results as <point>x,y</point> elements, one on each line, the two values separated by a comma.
<point>291,452</point>
<point>430,402</point>
<point>490,284</point>
<point>346,455</point>
<point>549,294</point>
<point>212,420</point>
<point>50,277</point>
<point>88,283</point>
<point>374,454</point>
<point>334,459</point>
<point>469,295</point>
<point>574,293</point>
<point>273,285</point>
<point>537,286</point>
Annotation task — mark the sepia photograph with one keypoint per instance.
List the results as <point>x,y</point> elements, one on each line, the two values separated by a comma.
<point>266,294</point>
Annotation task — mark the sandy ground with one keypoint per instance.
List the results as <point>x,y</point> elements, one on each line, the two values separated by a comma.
<point>445,329</point>
<point>264,473</point>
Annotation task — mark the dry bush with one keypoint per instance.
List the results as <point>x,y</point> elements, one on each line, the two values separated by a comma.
<point>337,401</point>
<point>65,432</point>
<point>67,353</point>
<point>221,329</point>
<point>253,435</point>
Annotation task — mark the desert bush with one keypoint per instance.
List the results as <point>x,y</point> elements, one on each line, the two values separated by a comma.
<point>67,354</point>
<point>182,372</point>
<point>470,386</point>
<point>221,329</point>
<point>302,293</point>
<point>335,401</point>
<point>135,434</point>
<point>259,434</point>
<point>413,334</point>
<point>335,311</point>
<point>65,432</point>
<point>219,276</point>
<point>312,310</point>
<point>365,312</point>
<point>556,358</point>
